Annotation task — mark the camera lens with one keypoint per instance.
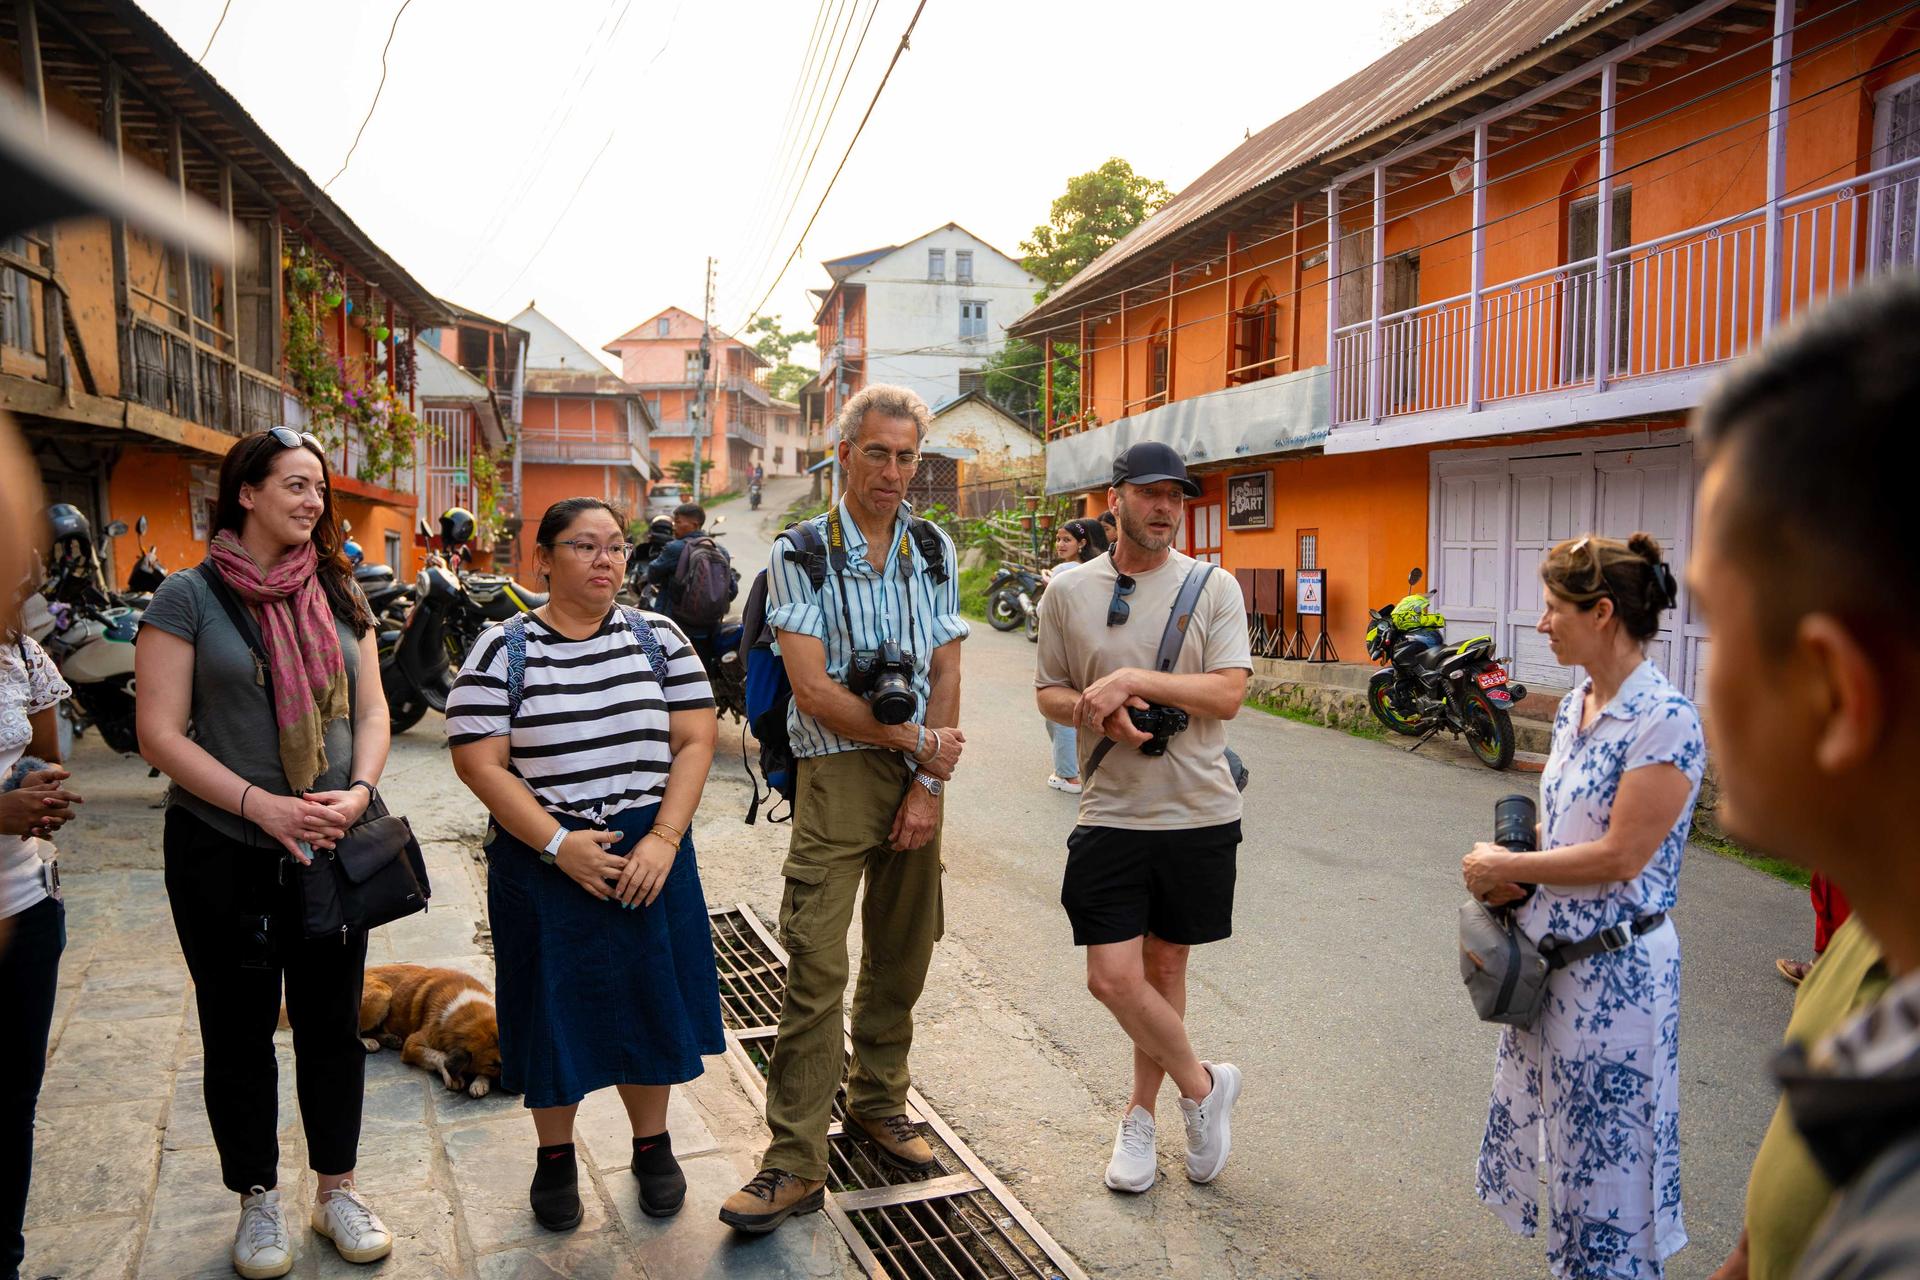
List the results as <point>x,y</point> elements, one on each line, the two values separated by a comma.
<point>893,700</point>
<point>1513,823</point>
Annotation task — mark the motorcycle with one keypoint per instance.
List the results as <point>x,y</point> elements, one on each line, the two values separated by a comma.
<point>88,631</point>
<point>451,607</point>
<point>753,496</point>
<point>1429,686</point>
<point>387,597</point>
<point>729,676</point>
<point>1013,600</point>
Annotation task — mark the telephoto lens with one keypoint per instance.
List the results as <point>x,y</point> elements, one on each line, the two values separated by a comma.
<point>1514,818</point>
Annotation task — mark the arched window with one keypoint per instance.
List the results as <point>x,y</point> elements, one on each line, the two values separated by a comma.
<point>1256,336</point>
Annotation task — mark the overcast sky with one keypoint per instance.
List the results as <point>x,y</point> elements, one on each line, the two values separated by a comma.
<point>588,155</point>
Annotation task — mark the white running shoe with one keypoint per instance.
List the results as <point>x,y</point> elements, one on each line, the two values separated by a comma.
<point>1133,1167</point>
<point>1210,1123</point>
<point>356,1231</point>
<point>1059,783</point>
<point>261,1249</point>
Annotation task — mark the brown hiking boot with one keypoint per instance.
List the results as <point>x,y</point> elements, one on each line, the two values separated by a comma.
<point>900,1143</point>
<point>773,1196</point>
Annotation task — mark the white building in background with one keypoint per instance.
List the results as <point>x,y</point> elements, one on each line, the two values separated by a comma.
<point>927,314</point>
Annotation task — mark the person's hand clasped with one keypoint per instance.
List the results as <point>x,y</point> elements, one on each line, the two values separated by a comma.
<point>583,856</point>
<point>647,868</point>
<point>37,808</point>
<point>1488,872</point>
<point>350,804</point>
<point>1119,726</point>
<point>913,823</point>
<point>1105,696</point>
<point>944,761</point>
<point>294,819</point>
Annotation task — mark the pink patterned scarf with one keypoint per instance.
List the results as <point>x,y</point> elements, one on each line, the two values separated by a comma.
<point>308,670</point>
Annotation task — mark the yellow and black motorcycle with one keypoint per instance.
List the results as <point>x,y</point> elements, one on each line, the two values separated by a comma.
<point>1429,685</point>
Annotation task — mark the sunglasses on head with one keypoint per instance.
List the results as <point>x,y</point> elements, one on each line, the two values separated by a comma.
<point>288,438</point>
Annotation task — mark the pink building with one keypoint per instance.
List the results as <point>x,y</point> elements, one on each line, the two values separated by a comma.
<point>661,357</point>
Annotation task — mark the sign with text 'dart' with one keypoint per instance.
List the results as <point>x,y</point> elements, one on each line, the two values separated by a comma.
<point>1250,500</point>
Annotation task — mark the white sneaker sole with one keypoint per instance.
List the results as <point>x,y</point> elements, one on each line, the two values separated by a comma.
<point>371,1253</point>
<point>1060,784</point>
<point>1227,1083</point>
<point>1133,1188</point>
<point>262,1270</point>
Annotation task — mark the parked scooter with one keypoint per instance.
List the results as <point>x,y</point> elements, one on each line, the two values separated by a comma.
<point>88,630</point>
<point>1013,600</point>
<point>1429,686</point>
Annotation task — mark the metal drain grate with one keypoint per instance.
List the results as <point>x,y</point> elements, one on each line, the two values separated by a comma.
<point>958,1223</point>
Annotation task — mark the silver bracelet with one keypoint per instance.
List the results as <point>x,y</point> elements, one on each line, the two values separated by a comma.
<point>919,739</point>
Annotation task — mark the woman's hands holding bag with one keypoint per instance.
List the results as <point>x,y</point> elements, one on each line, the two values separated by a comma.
<point>293,819</point>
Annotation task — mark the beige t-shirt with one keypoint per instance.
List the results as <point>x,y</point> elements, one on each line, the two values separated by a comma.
<point>1190,786</point>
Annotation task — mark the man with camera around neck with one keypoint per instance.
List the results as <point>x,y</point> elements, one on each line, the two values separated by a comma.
<point>1150,866</point>
<point>866,614</point>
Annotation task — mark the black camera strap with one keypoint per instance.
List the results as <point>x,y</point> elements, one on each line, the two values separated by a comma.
<point>837,557</point>
<point>1171,641</point>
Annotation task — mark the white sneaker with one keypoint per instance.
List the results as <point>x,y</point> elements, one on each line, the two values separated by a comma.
<point>1059,783</point>
<point>1209,1123</point>
<point>261,1249</point>
<point>1133,1167</point>
<point>344,1218</point>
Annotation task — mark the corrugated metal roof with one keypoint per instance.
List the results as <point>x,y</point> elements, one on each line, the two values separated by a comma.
<point>1466,46</point>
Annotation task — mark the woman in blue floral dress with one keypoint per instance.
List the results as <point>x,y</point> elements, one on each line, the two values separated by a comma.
<point>1588,1098</point>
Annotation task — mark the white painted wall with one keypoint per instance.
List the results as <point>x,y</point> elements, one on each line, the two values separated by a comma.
<point>913,322</point>
<point>1000,445</point>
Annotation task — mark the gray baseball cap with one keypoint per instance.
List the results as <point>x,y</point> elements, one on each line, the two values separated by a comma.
<point>1149,461</point>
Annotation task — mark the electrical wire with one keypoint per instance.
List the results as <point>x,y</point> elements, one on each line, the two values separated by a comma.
<point>371,106</point>
<point>221,22</point>
<point>899,49</point>
<point>562,217</point>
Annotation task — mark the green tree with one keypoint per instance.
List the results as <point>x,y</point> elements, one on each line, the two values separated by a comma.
<point>683,471</point>
<point>775,346</point>
<point>1097,211</point>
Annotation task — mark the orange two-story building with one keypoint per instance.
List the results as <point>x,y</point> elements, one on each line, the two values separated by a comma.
<point>132,366</point>
<point>1507,367</point>
<point>661,356</point>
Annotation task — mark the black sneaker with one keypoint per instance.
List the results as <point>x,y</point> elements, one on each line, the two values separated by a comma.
<point>663,1187</point>
<point>555,1193</point>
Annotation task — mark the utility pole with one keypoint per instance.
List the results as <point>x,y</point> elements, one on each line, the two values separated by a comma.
<point>698,431</point>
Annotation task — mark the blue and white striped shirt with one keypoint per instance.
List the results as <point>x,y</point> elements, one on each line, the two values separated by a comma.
<point>877,605</point>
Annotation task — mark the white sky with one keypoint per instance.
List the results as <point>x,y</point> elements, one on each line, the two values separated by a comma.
<point>993,107</point>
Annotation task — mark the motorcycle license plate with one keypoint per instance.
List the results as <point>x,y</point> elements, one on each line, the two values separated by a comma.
<point>1491,679</point>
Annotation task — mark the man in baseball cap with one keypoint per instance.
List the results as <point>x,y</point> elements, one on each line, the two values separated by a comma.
<point>1150,867</point>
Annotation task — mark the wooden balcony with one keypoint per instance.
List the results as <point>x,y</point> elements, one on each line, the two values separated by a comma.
<point>196,381</point>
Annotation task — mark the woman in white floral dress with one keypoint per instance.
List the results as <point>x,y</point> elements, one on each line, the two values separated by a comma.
<point>1588,1098</point>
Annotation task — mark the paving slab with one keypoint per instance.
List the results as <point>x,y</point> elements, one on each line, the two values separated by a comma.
<point>93,1160</point>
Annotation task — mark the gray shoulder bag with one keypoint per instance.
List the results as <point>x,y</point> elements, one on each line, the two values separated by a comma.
<point>1171,640</point>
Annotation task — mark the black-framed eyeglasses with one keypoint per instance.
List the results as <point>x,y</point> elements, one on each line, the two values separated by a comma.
<point>1117,610</point>
<point>587,551</point>
<point>288,438</point>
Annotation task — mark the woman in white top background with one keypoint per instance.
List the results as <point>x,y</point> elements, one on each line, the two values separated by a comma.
<point>1074,543</point>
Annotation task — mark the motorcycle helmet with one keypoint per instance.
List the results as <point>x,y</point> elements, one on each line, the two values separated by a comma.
<point>68,524</point>
<point>456,526</point>
<point>351,550</point>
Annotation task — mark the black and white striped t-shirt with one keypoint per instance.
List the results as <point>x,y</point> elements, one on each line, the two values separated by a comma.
<point>590,736</point>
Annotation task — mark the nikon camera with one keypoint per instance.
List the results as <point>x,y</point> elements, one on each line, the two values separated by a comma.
<point>884,677</point>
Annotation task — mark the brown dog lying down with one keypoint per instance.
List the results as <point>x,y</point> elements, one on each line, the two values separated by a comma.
<point>439,1019</point>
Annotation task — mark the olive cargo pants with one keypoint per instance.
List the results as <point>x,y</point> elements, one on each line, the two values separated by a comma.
<point>844,806</point>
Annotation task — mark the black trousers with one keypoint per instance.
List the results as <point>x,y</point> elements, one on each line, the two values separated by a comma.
<point>29,972</point>
<point>220,888</point>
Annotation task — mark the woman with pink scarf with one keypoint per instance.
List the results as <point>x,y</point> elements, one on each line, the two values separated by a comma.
<point>270,757</point>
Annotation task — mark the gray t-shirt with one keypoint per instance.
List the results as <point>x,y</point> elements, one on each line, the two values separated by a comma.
<point>231,717</point>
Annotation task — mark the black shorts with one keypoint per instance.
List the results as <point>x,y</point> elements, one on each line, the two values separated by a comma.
<point>1176,884</point>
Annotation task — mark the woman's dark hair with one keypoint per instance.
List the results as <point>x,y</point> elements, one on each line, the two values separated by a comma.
<point>1092,537</point>
<point>247,465</point>
<point>564,512</point>
<point>1632,574</point>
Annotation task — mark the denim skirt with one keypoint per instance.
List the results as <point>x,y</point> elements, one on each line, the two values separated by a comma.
<point>589,993</point>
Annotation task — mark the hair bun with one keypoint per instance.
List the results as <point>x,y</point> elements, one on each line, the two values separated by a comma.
<point>1646,546</point>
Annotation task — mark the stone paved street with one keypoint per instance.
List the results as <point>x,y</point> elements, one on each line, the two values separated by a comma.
<point>126,1182</point>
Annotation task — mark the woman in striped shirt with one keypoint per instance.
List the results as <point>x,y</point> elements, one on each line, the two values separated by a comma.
<point>591,757</point>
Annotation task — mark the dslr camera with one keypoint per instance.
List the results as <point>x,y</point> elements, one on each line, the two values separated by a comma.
<point>884,677</point>
<point>1161,723</point>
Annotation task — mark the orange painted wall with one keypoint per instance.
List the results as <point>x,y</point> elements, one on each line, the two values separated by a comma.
<point>543,484</point>
<point>156,485</point>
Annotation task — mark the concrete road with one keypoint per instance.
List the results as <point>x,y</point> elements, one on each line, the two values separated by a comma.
<point>1367,1074</point>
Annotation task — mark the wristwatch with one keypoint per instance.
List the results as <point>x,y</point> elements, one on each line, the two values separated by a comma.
<point>552,851</point>
<point>933,785</point>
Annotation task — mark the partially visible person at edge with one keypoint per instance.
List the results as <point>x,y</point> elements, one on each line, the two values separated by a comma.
<point>1593,1088</point>
<point>1151,864</point>
<point>867,808</point>
<point>689,523</point>
<point>34,803</point>
<point>600,938</point>
<point>1074,543</point>
<point>1830,910</point>
<point>258,781</point>
<point>1802,555</point>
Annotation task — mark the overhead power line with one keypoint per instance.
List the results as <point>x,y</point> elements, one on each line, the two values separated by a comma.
<point>377,91</point>
<point>905,37</point>
<point>221,22</point>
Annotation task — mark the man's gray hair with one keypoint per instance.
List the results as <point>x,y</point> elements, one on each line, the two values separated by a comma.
<point>889,402</point>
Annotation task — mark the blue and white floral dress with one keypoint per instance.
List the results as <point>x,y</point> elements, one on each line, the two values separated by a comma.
<point>1591,1093</point>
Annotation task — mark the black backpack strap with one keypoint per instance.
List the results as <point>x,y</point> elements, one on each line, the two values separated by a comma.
<point>932,549</point>
<point>243,623</point>
<point>806,548</point>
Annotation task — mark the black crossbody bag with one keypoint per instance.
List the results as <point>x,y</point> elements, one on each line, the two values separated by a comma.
<point>376,873</point>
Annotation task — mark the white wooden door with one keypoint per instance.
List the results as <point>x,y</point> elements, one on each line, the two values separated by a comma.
<point>1647,490</point>
<point>1466,579</point>
<point>444,472</point>
<point>1552,501</point>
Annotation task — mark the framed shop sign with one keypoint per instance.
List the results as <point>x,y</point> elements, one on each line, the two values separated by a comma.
<point>1250,500</point>
<point>1310,593</point>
